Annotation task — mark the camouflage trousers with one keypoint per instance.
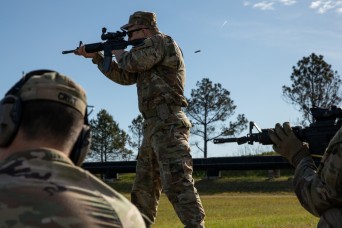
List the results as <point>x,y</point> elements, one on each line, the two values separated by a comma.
<point>165,163</point>
<point>331,218</point>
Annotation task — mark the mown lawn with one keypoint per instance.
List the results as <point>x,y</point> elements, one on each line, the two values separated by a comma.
<point>244,210</point>
<point>237,201</point>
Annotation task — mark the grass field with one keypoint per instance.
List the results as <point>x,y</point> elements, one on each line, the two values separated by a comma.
<point>238,201</point>
<point>244,210</point>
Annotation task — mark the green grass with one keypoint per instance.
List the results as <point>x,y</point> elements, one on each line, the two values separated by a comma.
<point>242,199</point>
<point>244,210</point>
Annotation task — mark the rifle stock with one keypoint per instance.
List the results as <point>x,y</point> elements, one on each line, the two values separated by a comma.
<point>318,135</point>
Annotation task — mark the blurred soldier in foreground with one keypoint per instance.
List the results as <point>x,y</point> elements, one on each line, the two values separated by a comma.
<point>164,162</point>
<point>44,137</point>
<point>319,190</point>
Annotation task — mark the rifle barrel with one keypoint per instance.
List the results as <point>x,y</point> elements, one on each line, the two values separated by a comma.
<point>68,52</point>
<point>225,140</point>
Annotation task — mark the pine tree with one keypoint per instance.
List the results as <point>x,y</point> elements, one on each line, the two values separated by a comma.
<point>209,106</point>
<point>314,84</point>
<point>136,129</point>
<point>108,140</point>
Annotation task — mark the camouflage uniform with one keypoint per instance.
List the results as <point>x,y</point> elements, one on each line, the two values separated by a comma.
<point>43,188</point>
<point>164,160</point>
<point>320,190</point>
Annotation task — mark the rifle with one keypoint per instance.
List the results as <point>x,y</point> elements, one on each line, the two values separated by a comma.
<point>318,134</point>
<point>114,41</point>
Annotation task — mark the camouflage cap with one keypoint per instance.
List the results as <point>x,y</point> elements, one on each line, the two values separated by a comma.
<point>53,86</point>
<point>149,19</point>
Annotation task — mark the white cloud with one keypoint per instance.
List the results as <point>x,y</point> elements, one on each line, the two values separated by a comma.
<point>315,4</point>
<point>288,2</point>
<point>264,5</point>
<point>323,6</point>
<point>269,4</point>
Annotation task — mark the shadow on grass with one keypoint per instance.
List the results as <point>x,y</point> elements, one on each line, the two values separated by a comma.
<point>222,185</point>
<point>243,185</point>
<point>121,186</point>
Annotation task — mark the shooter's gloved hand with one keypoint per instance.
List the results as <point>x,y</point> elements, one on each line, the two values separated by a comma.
<point>287,144</point>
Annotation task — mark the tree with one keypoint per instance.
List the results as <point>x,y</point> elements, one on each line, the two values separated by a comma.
<point>209,105</point>
<point>136,129</point>
<point>108,140</point>
<point>314,84</point>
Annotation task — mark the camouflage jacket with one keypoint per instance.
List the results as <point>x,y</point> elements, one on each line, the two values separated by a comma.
<point>321,189</point>
<point>42,188</point>
<point>156,67</point>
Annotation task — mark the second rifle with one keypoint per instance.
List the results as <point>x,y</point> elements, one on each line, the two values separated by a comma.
<point>318,135</point>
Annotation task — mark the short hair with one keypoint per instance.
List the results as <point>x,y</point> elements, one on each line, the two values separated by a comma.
<point>51,121</point>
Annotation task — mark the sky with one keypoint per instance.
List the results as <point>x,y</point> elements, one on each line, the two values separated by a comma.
<point>249,47</point>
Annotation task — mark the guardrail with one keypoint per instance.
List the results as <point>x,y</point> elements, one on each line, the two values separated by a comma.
<point>212,165</point>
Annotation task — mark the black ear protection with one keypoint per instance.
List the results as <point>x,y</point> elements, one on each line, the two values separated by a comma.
<point>10,110</point>
<point>10,117</point>
<point>83,142</point>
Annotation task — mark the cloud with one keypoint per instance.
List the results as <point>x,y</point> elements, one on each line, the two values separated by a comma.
<point>269,4</point>
<point>264,5</point>
<point>323,6</point>
<point>288,2</point>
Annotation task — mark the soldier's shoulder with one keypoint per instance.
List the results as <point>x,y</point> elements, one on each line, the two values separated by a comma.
<point>161,38</point>
<point>152,41</point>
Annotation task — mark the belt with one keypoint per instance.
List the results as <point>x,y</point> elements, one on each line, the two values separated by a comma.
<point>154,112</point>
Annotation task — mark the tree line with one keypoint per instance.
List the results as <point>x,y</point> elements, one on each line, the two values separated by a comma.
<point>314,84</point>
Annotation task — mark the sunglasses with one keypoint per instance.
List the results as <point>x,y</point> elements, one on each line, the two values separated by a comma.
<point>130,33</point>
